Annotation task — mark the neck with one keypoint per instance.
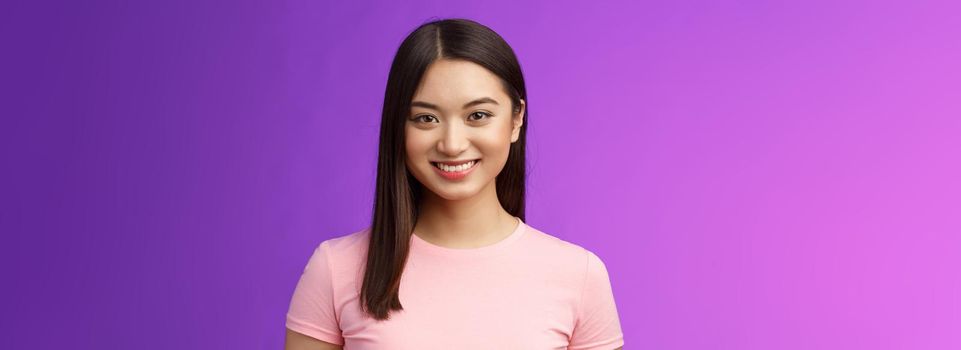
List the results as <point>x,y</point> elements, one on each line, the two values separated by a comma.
<point>471,222</point>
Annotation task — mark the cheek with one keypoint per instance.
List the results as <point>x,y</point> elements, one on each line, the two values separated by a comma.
<point>505,133</point>
<point>417,146</point>
<point>496,144</point>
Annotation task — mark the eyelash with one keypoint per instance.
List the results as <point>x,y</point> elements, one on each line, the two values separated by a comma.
<point>488,115</point>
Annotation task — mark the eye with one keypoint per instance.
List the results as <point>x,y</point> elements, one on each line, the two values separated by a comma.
<point>420,117</point>
<point>484,114</point>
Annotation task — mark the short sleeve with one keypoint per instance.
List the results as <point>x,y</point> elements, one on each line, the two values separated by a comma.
<point>311,309</point>
<point>597,326</point>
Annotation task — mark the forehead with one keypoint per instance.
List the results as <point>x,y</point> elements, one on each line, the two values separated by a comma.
<point>450,83</point>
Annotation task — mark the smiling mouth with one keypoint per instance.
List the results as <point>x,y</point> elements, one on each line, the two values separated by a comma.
<point>457,168</point>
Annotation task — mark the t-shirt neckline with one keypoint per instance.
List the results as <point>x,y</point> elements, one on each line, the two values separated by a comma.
<point>421,244</point>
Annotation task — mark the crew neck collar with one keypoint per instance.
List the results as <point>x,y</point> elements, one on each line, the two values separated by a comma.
<point>421,244</point>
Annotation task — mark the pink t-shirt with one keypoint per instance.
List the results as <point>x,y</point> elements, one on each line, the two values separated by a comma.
<point>528,291</point>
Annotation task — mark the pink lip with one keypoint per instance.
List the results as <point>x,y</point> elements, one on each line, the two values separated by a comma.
<point>455,175</point>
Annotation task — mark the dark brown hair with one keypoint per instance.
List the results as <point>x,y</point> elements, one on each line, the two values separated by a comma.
<point>398,193</point>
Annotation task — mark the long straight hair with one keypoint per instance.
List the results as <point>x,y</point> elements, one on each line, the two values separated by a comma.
<point>398,193</point>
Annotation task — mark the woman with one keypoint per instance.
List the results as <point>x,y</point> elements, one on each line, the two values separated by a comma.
<point>448,262</point>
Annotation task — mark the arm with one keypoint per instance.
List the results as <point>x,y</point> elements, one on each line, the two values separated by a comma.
<point>297,341</point>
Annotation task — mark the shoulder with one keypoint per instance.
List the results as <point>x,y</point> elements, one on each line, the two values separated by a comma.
<point>549,248</point>
<point>550,243</point>
<point>344,254</point>
<point>347,243</point>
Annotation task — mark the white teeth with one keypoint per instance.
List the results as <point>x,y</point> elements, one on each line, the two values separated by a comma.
<point>452,169</point>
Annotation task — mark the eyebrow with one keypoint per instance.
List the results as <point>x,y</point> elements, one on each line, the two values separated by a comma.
<point>481,100</point>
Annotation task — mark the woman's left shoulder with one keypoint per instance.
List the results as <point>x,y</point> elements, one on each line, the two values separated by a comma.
<point>557,247</point>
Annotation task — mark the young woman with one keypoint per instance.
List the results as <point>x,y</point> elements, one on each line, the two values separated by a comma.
<point>448,261</point>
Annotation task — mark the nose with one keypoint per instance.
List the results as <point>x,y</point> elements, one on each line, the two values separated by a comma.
<point>454,140</point>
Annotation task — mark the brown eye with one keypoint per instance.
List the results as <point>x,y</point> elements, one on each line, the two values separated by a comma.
<point>418,118</point>
<point>481,114</point>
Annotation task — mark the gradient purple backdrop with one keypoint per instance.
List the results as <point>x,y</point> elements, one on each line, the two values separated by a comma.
<point>756,175</point>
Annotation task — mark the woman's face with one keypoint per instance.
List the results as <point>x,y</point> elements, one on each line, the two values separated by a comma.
<point>460,113</point>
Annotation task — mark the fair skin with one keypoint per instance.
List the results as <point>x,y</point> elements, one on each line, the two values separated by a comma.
<point>446,125</point>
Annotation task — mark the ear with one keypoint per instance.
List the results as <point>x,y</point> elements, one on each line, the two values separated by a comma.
<point>518,121</point>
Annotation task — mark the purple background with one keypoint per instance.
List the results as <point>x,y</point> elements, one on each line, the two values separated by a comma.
<point>755,175</point>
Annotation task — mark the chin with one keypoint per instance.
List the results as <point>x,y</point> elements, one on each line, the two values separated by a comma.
<point>454,194</point>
